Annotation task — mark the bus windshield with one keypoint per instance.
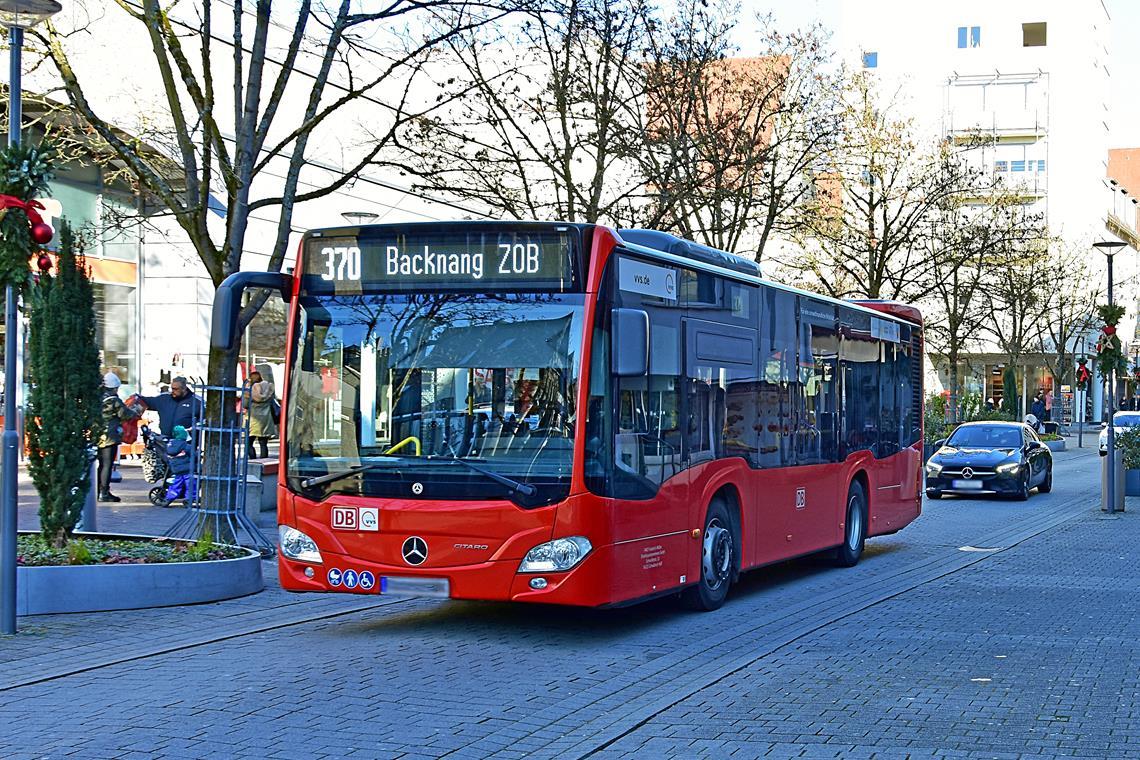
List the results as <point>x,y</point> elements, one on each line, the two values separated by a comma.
<point>410,381</point>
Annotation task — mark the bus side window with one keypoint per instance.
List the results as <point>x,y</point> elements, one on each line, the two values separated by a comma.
<point>777,373</point>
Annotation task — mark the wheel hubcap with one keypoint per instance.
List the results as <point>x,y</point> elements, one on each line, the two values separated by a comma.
<point>854,524</point>
<point>717,555</point>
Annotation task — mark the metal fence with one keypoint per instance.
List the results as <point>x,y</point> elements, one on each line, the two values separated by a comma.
<point>216,506</point>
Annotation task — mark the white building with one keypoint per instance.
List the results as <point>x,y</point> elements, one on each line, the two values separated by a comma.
<point>1033,75</point>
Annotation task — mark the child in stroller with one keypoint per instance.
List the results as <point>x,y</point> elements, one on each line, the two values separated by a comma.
<point>168,463</point>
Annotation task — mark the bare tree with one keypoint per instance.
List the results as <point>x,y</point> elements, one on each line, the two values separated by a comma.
<point>1071,311</point>
<point>731,143</point>
<point>863,230</point>
<point>544,131</point>
<point>215,154</point>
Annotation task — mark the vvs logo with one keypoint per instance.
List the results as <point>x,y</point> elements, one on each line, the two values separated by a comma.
<point>801,498</point>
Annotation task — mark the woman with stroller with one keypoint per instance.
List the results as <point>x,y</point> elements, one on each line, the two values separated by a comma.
<point>262,426</point>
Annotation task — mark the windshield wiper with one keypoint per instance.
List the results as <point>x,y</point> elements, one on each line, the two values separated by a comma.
<point>523,488</point>
<point>526,489</point>
<point>310,482</point>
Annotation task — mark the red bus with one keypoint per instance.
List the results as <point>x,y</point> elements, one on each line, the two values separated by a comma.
<point>572,414</point>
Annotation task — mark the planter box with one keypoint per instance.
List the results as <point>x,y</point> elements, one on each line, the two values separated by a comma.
<point>1132,482</point>
<point>1055,445</point>
<point>97,588</point>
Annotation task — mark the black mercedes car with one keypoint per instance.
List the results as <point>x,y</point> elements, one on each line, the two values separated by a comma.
<point>989,458</point>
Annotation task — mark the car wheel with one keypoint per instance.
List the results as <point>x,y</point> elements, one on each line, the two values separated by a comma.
<point>718,561</point>
<point>1023,487</point>
<point>1046,484</point>
<point>935,495</point>
<point>855,530</point>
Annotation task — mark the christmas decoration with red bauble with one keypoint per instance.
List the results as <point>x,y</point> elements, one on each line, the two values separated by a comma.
<point>41,233</point>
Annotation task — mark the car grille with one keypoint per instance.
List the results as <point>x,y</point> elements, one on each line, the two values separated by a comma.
<point>978,473</point>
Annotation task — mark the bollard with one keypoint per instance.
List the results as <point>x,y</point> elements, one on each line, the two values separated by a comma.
<point>1119,482</point>
<point>87,517</point>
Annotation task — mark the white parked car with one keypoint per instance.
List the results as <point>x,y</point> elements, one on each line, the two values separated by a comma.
<point>1120,421</point>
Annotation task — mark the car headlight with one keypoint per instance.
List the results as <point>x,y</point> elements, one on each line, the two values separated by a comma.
<point>556,556</point>
<point>1009,467</point>
<point>933,468</point>
<point>296,545</point>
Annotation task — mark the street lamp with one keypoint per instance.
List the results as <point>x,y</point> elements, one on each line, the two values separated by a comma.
<point>1108,248</point>
<point>358,217</point>
<point>17,15</point>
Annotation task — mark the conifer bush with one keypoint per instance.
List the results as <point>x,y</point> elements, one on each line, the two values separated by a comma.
<point>64,395</point>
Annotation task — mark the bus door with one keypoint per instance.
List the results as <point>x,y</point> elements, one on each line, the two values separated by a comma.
<point>720,412</point>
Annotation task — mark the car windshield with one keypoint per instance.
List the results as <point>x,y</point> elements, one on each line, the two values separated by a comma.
<point>488,378</point>
<point>986,437</point>
<point>1129,419</point>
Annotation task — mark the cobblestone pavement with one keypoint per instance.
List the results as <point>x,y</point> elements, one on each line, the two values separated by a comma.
<point>988,628</point>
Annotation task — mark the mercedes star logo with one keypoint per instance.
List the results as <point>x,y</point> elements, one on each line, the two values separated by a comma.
<point>417,488</point>
<point>967,473</point>
<point>414,550</point>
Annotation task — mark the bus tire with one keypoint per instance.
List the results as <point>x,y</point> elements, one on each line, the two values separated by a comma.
<point>718,560</point>
<point>855,527</point>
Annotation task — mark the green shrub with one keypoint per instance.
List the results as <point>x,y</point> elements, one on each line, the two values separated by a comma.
<point>1128,441</point>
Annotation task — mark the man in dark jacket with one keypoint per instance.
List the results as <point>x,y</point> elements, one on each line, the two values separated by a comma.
<point>179,407</point>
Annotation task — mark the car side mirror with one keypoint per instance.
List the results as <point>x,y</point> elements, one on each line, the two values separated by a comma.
<point>939,443</point>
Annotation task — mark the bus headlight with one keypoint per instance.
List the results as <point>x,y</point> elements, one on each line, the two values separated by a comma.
<point>296,545</point>
<point>556,556</point>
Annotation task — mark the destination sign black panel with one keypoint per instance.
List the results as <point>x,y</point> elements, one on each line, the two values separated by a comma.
<point>448,257</point>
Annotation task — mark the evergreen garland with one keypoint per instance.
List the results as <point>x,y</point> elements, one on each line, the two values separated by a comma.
<point>25,171</point>
<point>64,397</point>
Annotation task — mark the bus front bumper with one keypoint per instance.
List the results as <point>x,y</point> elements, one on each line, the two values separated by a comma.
<point>493,580</point>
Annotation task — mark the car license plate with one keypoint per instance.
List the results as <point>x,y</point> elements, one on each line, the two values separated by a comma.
<point>975,485</point>
<point>439,588</point>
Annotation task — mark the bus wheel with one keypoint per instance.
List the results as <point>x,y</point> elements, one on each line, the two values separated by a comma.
<point>718,561</point>
<point>855,534</point>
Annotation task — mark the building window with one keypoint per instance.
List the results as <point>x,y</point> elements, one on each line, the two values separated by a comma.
<point>871,60</point>
<point>1040,165</point>
<point>1017,166</point>
<point>1001,166</point>
<point>1033,34</point>
<point>969,36</point>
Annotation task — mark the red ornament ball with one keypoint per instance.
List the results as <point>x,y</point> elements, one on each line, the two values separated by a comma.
<point>41,233</point>
<point>44,262</point>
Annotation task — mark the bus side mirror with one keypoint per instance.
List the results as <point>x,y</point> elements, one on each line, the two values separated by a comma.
<point>629,346</point>
<point>227,302</point>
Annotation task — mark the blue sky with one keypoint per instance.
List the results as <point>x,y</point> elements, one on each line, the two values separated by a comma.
<point>1124,63</point>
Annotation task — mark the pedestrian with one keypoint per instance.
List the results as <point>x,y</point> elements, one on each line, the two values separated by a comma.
<point>114,413</point>
<point>178,407</point>
<point>262,426</point>
<point>1048,405</point>
<point>990,406</point>
<point>1038,407</point>
<point>180,452</point>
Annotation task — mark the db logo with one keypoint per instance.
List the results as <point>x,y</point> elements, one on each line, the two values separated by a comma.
<point>344,518</point>
<point>801,498</point>
<point>417,488</point>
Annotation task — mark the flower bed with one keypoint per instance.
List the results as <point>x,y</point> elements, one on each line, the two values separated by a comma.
<point>99,572</point>
<point>33,551</point>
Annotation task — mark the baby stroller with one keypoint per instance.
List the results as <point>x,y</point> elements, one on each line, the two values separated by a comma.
<point>156,466</point>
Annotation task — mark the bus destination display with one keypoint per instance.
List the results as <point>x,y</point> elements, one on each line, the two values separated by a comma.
<point>402,260</point>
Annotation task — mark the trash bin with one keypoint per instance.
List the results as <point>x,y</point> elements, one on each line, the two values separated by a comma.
<point>1119,473</point>
<point>1051,427</point>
